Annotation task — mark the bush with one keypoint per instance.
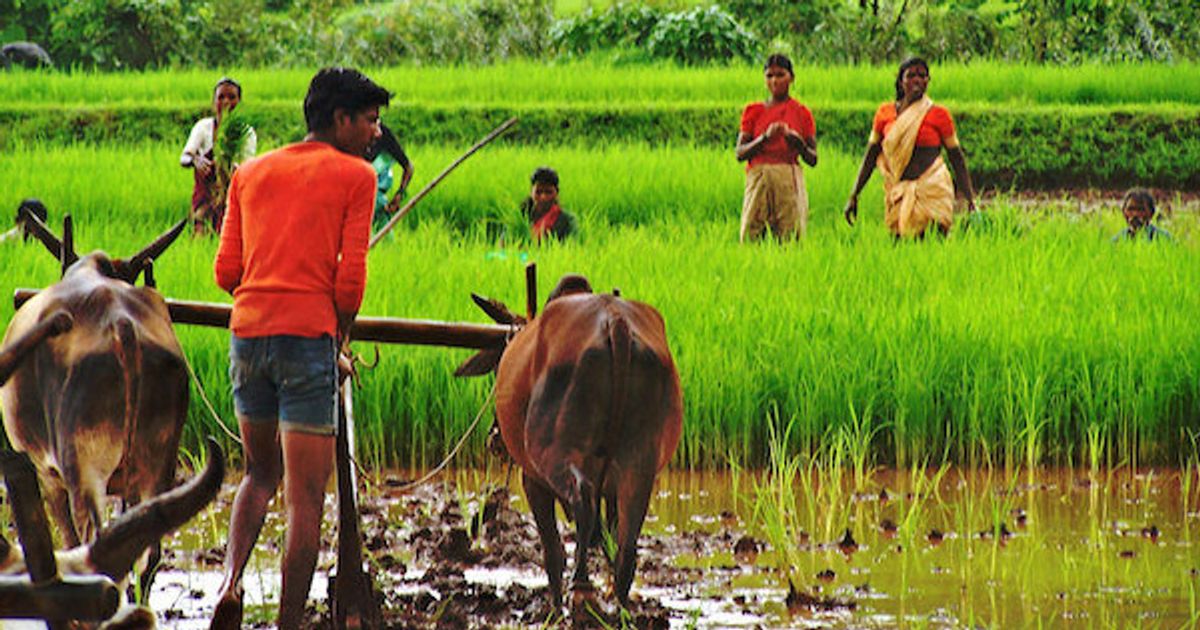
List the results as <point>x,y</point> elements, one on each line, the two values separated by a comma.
<point>116,34</point>
<point>620,26</point>
<point>482,31</point>
<point>701,35</point>
<point>786,19</point>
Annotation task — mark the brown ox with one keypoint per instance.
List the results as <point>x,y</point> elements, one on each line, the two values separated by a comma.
<point>589,405</point>
<point>100,407</point>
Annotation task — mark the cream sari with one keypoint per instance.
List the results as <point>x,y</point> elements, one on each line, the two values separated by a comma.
<point>912,204</point>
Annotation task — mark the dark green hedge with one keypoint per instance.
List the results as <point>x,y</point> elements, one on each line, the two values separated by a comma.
<point>1035,147</point>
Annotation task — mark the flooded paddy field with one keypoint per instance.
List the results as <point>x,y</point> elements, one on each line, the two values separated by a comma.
<point>937,548</point>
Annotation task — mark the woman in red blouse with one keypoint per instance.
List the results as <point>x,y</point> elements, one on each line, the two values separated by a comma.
<point>773,134</point>
<point>906,142</point>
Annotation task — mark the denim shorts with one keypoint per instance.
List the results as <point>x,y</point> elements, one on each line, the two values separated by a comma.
<point>284,378</point>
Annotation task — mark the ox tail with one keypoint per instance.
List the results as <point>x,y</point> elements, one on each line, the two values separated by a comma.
<point>128,351</point>
<point>121,543</point>
<point>620,343</point>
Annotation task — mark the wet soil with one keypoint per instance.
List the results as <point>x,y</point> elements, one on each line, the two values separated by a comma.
<point>1065,548</point>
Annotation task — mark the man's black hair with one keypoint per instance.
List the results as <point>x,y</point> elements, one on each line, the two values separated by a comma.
<point>1142,196</point>
<point>779,61</point>
<point>544,175</point>
<point>340,88</point>
<point>908,63</point>
<point>387,143</point>
<point>228,81</point>
<point>34,207</point>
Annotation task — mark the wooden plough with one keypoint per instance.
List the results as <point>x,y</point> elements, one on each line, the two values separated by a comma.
<point>355,604</point>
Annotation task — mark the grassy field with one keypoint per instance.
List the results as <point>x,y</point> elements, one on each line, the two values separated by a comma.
<point>632,184</point>
<point>1036,340</point>
<point>582,83</point>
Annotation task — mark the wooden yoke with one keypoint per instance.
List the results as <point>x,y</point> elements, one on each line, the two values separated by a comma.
<point>44,594</point>
<point>355,600</point>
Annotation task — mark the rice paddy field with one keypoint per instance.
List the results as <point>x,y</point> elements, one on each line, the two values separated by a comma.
<point>1026,362</point>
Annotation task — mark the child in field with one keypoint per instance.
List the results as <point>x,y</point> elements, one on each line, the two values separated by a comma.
<point>545,215</point>
<point>382,155</point>
<point>1139,210</point>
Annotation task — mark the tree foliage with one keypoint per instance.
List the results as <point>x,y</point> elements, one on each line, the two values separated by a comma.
<point>134,34</point>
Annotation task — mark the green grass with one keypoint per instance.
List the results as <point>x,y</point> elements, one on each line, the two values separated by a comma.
<point>918,351</point>
<point>635,184</point>
<point>578,83</point>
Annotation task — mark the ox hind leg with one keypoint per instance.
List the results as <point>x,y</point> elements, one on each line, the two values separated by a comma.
<point>582,498</point>
<point>633,501</point>
<point>541,503</point>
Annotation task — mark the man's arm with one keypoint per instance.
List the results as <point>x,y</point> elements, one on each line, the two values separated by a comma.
<point>228,264</point>
<point>350,280</point>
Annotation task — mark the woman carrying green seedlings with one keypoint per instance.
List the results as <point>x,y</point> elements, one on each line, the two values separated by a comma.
<point>208,190</point>
<point>906,143</point>
<point>773,134</point>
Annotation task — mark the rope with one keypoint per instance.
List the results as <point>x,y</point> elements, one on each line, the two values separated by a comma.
<point>354,460</point>
<point>457,447</point>
<point>207,403</point>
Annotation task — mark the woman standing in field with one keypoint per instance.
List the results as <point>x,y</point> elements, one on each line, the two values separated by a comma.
<point>208,190</point>
<point>773,134</point>
<point>907,139</point>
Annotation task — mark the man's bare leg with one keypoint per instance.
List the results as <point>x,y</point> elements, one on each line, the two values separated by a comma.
<point>264,469</point>
<point>307,464</point>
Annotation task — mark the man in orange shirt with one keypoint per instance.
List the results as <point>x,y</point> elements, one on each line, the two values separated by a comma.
<point>293,254</point>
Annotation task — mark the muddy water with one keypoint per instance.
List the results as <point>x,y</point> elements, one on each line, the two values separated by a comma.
<point>1060,548</point>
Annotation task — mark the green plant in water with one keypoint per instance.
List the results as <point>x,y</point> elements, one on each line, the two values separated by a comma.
<point>775,501</point>
<point>857,438</point>
<point>1095,437</point>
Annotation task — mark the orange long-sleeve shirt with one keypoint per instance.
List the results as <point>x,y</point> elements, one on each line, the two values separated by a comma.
<point>294,244</point>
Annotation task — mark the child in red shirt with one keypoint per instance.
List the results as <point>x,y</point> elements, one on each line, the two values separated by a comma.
<point>773,134</point>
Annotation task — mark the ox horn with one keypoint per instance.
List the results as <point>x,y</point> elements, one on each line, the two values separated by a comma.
<point>498,311</point>
<point>35,227</point>
<point>67,254</point>
<point>121,543</point>
<point>10,357</point>
<point>154,250</point>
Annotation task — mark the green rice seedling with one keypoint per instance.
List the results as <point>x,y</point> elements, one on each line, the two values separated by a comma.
<point>1095,449</point>
<point>923,489</point>
<point>592,81</point>
<point>945,349</point>
<point>776,504</point>
<point>857,438</point>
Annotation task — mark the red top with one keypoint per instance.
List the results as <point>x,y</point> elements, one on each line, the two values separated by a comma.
<point>757,117</point>
<point>934,130</point>
<point>294,245</point>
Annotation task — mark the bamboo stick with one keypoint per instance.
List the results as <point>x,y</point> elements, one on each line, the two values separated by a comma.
<point>379,329</point>
<point>437,180</point>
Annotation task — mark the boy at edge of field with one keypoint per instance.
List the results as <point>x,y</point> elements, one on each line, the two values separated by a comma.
<point>1139,210</point>
<point>541,207</point>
